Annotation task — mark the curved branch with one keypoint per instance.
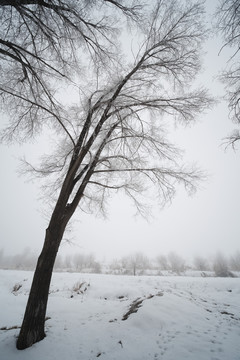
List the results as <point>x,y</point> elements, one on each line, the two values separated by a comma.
<point>40,106</point>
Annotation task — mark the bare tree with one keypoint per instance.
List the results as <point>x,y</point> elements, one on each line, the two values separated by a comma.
<point>234,261</point>
<point>176,262</point>
<point>136,262</point>
<point>116,266</point>
<point>114,139</point>
<point>201,263</point>
<point>83,262</point>
<point>162,262</point>
<point>228,24</point>
<point>39,46</point>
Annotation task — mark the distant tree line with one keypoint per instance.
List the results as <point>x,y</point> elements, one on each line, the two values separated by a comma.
<point>140,264</point>
<point>136,263</point>
<point>27,259</point>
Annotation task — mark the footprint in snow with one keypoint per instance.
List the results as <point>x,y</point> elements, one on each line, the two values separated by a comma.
<point>165,340</point>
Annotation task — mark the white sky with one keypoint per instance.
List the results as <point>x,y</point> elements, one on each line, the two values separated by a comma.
<point>202,224</point>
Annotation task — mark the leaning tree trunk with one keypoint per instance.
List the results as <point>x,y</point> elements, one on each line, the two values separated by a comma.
<point>32,329</point>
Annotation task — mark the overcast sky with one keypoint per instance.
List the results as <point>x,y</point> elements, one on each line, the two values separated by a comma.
<point>202,224</point>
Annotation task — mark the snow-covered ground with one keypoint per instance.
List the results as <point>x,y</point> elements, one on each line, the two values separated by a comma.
<point>184,318</point>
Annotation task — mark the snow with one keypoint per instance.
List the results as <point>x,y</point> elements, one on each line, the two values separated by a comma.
<point>178,317</point>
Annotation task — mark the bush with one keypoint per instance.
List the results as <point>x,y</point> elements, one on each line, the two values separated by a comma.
<point>220,266</point>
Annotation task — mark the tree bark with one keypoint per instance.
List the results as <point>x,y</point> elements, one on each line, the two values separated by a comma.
<point>32,329</point>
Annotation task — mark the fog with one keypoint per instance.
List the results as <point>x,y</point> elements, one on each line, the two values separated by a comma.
<point>203,224</point>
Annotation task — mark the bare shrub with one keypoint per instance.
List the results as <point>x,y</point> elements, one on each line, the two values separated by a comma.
<point>234,262</point>
<point>15,289</point>
<point>80,287</point>
<point>220,266</point>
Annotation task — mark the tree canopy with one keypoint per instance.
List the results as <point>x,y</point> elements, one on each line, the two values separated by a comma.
<point>228,24</point>
<point>114,137</point>
<point>42,43</point>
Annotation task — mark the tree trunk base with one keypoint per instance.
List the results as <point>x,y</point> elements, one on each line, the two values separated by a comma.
<point>31,338</point>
